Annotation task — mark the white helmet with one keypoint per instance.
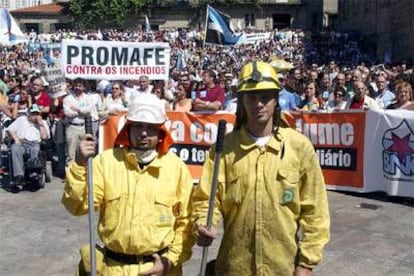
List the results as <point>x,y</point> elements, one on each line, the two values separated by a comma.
<point>147,108</point>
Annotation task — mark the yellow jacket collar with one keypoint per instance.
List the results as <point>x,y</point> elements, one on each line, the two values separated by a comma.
<point>131,158</point>
<point>247,143</point>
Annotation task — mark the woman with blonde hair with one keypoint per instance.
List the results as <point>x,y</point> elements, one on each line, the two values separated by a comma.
<point>404,97</point>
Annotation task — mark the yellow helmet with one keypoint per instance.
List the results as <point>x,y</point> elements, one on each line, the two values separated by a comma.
<point>257,75</point>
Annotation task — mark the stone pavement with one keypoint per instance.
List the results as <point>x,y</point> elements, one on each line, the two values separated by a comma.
<point>371,235</point>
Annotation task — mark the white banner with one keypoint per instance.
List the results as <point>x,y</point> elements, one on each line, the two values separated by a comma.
<point>253,38</point>
<point>389,152</point>
<point>114,60</point>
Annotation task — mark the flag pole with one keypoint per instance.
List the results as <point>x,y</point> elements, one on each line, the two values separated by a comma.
<point>205,26</point>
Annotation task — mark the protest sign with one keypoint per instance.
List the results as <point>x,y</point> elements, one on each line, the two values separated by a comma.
<point>114,60</point>
<point>56,80</point>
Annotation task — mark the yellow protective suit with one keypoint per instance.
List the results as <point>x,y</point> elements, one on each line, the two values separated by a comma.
<point>141,211</point>
<point>265,194</point>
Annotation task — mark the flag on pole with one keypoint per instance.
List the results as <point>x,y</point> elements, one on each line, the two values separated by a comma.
<point>239,25</point>
<point>10,33</point>
<point>147,25</point>
<point>218,29</point>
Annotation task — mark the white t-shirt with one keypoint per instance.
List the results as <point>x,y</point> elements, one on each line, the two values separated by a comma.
<point>27,130</point>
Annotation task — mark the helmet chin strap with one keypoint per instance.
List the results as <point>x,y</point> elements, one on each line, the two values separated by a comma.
<point>145,156</point>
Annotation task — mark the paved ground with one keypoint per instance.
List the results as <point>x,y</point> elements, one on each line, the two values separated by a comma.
<point>371,235</point>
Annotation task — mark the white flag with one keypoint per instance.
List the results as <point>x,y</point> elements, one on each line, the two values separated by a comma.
<point>147,25</point>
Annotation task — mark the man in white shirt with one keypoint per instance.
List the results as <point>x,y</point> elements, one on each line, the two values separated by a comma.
<point>27,133</point>
<point>384,96</point>
<point>76,107</point>
<point>132,90</point>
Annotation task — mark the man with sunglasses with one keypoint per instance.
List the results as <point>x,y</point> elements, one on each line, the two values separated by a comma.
<point>270,188</point>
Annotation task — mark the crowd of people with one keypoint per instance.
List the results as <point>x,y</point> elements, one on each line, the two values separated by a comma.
<point>270,183</point>
<point>202,78</point>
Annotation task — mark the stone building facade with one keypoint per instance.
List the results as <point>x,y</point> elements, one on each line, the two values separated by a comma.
<point>259,14</point>
<point>386,25</point>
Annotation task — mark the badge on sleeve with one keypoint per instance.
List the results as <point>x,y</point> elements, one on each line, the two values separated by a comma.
<point>288,196</point>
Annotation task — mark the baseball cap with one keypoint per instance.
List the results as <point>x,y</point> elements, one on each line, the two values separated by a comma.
<point>34,109</point>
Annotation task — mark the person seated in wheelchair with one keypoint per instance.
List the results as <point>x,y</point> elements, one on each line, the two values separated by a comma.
<point>27,133</point>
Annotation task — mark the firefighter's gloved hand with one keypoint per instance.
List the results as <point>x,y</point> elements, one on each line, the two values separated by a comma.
<point>205,236</point>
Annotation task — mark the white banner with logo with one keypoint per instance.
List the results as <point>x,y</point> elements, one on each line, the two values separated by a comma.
<point>389,152</point>
<point>114,60</point>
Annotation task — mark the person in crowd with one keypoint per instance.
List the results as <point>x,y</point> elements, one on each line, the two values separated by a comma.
<point>14,85</point>
<point>21,103</point>
<point>356,75</point>
<point>4,111</point>
<point>361,100</point>
<point>332,71</point>
<point>57,117</point>
<point>182,102</point>
<point>184,79</point>
<point>404,98</point>
<point>144,85</point>
<point>144,206</point>
<point>96,97</point>
<point>295,85</point>
<point>27,132</point>
<point>41,97</point>
<point>313,75</point>
<point>115,103</point>
<point>311,101</point>
<point>264,164</point>
<point>340,82</point>
<point>231,102</point>
<point>158,91</point>
<point>384,96</point>
<point>338,102</point>
<point>76,107</point>
<point>324,86</point>
<point>211,97</point>
<point>286,99</point>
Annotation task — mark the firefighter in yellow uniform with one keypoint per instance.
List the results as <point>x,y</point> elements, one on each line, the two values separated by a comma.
<point>143,195</point>
<point>271,191</point>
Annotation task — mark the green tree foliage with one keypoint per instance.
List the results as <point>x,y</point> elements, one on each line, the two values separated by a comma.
<point>104,13</point>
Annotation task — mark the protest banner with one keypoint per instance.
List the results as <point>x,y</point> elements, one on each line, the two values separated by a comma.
<point>389,152</point>
<point>56,80</point>
<point>358,151</point>
<point>339,143</point>
<point>114,60</point>
<point>194,134</point>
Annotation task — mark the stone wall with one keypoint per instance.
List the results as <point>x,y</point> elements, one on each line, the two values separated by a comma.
<point>387,25</point>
